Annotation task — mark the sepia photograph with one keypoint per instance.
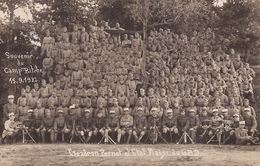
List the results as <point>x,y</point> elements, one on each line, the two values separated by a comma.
<point>130,82</point>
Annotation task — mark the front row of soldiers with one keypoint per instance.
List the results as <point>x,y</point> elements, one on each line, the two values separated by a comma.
<point>140,128</point>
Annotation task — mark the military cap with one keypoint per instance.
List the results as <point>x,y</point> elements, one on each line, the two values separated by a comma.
<point>30,111</point>
<point>60,111</point>
<point>10,96</point>
<point>11,114</point>
<point>242,122</point>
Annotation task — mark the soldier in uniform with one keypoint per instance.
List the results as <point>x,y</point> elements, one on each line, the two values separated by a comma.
<point>140,124</point>
<point>250,122</point>
<point>99,124</point>
<point>154,123</point>
<point>193,121</point>
<point>242,136</point>
<point>182,122</point>
<point>112,125</point>
<point>60,126</point>
<point>48,123</point>
<point>85,125</point>
<point>216,124</point>
<point>126,124</point>
<point>37,125</point>
<point>28,123</point>
<point>10,107</point>
<point>10,131</point>
<point>204,124</point>
<point>169,124</point>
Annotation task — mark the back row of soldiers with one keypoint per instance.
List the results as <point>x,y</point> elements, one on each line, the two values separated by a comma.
<point>137,123</point>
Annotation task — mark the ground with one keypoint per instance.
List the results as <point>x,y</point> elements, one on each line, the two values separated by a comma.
<point>160,154</point>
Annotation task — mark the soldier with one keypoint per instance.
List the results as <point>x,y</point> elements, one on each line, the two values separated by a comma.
<point>37,125</point>
<point>48,123</point>
<point>47,64</point>
<point>154,123</point>
<point>242,136</point>
<point>216,124</point>
<point>39,109</point>
<point>85,125</point>
<point>182,122</point>
<point>169,124</point>
<point>140,124</point>
<point>22,111</point>
<point>22,98</point>
<point>10,129</point>
<point>10,107</point>
<point>112,125</point>
<point>250,122</point>
<point>32,101</point>
<point>60,126</point>
<point>248,107</point>
<point>193,122</point>
<point>99,124</point>
<point>204,120</point>
<point>126,124</point>
<point>28,123</point>
<point>44,93</point>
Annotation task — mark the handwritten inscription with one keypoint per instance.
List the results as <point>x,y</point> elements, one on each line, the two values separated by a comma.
<point>21,71</point>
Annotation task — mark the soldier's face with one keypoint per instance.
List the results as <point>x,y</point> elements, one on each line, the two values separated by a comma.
<point>236,118</point>
<point>11,101</point>
<point>12,118</point>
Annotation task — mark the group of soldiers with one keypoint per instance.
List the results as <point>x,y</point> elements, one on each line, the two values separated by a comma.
<point>98,85</point>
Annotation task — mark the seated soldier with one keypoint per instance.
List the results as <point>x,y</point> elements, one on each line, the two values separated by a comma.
<point>169,123</point>
<point>112,125</point>
<point>229,129</point>
<point>29,124</point>
<point>48,123</point>
<point>250,121</point>
<point>85,125</point>
<point>193,121</point>
<point>11,131</point>
<point>241,135</point>
<point>154,124</point>
<point>126,124</point>
<point>216,124</point>
<point>99,124</point>
<point>60,126</point>
<point>204,124</point>
<point>182,122</point>
<point>37,125</point>
<point>140,124</point>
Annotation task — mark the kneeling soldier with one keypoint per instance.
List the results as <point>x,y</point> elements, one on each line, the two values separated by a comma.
<point>126,124</point>
<point>85,126</point>
<point>112,125</point>
<point>169,124</point>
<point>140,124</point>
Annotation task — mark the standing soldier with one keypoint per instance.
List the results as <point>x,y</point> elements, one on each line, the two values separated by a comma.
<point>154,124</point>
<point>126,124</point>
<point>10,107</point>
<point>140,124</point>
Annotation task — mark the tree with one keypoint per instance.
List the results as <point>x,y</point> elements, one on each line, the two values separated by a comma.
<point>8,7</point>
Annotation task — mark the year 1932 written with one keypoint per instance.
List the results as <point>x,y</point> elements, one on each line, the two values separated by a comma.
<point>22,80</point>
